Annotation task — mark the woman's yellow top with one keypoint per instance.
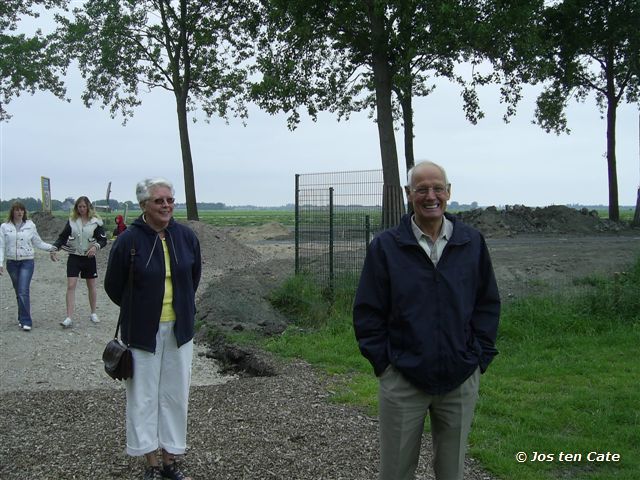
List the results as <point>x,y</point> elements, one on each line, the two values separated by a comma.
<point>167,314</point>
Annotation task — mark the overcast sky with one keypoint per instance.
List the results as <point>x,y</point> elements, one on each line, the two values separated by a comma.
<point>492,163</point>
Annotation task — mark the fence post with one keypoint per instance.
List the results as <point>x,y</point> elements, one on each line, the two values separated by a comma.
<point>331,239</point>
<point>367,229</point>
<point>297,225</point>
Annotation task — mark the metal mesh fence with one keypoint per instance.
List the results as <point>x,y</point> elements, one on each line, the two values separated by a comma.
<point>337,214</point>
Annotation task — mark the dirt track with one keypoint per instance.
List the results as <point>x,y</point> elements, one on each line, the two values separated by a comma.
<point>533,263</point>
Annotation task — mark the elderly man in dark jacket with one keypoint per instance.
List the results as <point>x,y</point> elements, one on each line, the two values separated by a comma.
<point>426,316</point>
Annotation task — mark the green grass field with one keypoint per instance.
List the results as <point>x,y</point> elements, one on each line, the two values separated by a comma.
<point>218,218</point>
<point>564,386</point>
<point>241,218</point>
<point>626,213</point>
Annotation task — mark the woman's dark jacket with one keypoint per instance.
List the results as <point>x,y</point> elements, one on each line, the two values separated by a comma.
<point>436,325</point>
<point>148,281</point>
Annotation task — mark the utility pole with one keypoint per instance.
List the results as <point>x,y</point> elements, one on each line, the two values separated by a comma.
<point>108,195</point>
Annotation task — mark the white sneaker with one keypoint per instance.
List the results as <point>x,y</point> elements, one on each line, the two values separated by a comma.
<point>67,322</point>
<point>26,328</point>
<point>94,318</point>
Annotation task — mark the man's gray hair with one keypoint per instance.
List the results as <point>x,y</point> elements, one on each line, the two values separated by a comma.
<point>144,186</point>
<point>424,163</point>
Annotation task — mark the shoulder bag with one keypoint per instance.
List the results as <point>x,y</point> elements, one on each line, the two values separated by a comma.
<point>117,357</point>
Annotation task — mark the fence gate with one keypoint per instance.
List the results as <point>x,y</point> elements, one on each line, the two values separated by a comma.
<point>336,215</point>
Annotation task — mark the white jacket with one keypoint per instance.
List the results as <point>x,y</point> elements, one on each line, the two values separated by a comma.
<point>77,238</point>
<point>17,244</point>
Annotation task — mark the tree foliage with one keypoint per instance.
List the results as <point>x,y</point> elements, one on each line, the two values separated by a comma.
<point>576,49</point>
<point>28,63</point>
<point>594,48</point>
<point>345,56</point>
<point>196,49</point>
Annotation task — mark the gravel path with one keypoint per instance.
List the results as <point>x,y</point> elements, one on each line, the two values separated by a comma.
<point>280,427</point>
<point>61,417</point>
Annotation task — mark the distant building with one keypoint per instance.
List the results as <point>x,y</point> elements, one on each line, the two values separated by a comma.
<point>68,204</point>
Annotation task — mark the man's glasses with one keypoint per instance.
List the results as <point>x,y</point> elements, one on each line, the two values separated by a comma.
<point>160,201</point>
<point>423,191</point>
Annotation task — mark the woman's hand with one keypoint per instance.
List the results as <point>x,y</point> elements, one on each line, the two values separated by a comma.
<point>53,255</point>
<point>1,270</point>
<point>92,251</point>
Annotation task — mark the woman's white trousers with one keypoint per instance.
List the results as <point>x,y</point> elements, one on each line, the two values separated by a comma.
<point>158,396</point>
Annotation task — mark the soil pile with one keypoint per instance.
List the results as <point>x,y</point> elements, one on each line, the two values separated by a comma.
<point>220,251</point>
<point>49,227</point>
<point>239,300</point>
<point>268,231</point>
<point>554,219</point>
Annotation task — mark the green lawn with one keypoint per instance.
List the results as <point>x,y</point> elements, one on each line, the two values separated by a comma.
<point>565,382</point>
<point>218,218</point>
<point>241,218</point>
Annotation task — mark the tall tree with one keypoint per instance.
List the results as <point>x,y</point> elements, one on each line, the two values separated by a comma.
<point>575,48</point>
<point>196,49</point>
<point>28,63</point>
<point>596,50</point>
<point>346,56</point>
<point>427,40</point>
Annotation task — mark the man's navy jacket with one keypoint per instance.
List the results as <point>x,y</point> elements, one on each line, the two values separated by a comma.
<point>435,324</point>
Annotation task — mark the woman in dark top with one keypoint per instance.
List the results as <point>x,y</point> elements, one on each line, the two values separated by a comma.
<point>157,314</point>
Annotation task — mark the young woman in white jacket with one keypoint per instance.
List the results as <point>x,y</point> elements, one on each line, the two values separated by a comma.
<point>18,237</point>
<point>81,238</point>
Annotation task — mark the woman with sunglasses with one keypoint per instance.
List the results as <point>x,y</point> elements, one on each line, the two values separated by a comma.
<point>157,315</point>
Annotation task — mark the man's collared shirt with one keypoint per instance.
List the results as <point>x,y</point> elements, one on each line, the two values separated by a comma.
<point>433,249</point>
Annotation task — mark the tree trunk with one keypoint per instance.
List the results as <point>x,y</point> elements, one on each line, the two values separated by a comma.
<point>612,105</point>
<point>392,201</point>
<point>187,162</point>
<point>407,118</point>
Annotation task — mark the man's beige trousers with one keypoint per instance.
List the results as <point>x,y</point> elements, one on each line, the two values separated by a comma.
<point>403,409</point>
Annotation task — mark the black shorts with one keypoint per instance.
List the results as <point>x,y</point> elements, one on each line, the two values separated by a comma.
<point>84,266</point>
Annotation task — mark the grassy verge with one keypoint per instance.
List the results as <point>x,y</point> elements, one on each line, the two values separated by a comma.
<point>565,382</point>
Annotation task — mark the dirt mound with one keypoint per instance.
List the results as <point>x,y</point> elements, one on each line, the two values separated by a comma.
<point>49,227</point>
<point>221,251</point>
<point>268,231</point>
<point>239,299</point>
<point>554,219</point>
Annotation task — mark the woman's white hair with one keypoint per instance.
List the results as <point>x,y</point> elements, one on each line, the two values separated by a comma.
<point>424,163</point>
<point>144,186</point>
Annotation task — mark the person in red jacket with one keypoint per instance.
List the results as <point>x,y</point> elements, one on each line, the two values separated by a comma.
<point>120,226</point>
<point>426,317</point>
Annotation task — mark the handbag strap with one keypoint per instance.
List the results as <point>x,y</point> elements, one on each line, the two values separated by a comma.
<point>132,255</point>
